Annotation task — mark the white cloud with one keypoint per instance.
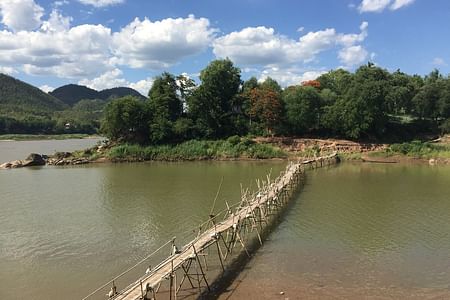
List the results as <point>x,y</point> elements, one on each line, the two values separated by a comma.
<point>56,22</point>
<point>400,3</point>
<point>21,14</point>
<point>353,55</point>
<point>440,62</point>
<point>86,51</point>
<point>142,86</point>
<point>114,78</point>
<point>373,5</point>
<point>380,5</point>
<point>60,3</point>
<point>46,88</point>
<point>107,80</point>
<point>289,76</point>
<point>262,46</point>
<point>76,52</point>
<point>159,44</point>
<point>101,3</point>
<point>7,70</point>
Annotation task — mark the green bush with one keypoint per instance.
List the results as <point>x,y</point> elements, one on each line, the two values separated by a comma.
<point>420,149</point>
<point>195,150</point>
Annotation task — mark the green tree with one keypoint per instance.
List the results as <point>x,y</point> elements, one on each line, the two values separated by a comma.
<point>213,104</point>
<point>126,120</point>
<point>166,107</point>
<point>361,110</point>
<point>337,81</point>
<point>271,84</point>
<point>427,101</point>
<point>302,108</point>
<point>402,90</point>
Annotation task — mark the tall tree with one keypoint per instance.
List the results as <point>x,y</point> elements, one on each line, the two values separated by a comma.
<point>165,104</point>
<point>272,84</point>
<point>213,104</point>
<point>125,119</point>
<point>361,110</point>
<point>265,108</point>
<point>302,108</point>
<point>427,101</point>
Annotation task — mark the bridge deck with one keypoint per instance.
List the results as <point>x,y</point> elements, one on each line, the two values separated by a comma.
<point>174,262</point>
<point>249,215</point>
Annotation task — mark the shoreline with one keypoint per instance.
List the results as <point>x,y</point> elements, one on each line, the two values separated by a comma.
<point>241,149</point>
<point>44,137</point>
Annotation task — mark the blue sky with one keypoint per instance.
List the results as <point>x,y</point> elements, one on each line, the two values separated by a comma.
<point>107,43</point>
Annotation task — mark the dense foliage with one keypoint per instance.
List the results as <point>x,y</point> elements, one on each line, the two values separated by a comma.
<point>233,147</point>
<point>25,109</point>
<point>369,103</point>
<point>71,94</point>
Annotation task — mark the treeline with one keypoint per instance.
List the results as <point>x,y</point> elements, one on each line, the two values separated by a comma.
<point>83,117</point>
<point>369,103</point>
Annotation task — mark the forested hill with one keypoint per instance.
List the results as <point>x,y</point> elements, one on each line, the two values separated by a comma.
<point>18,97</point>
<point>72,93</point>
<point>119,92</point>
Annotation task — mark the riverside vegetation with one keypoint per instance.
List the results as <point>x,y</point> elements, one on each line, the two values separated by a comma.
<point>184,120</point>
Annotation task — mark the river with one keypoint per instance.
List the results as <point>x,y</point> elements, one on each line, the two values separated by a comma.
<point>358,231</point>
<point>66,230</point>
<point>14,150</point>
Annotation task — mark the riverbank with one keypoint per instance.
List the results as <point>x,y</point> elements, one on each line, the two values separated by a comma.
<point>244,148</point>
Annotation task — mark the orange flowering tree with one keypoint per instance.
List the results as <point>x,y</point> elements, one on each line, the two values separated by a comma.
<point>313,83</point>
<point>265,107</point>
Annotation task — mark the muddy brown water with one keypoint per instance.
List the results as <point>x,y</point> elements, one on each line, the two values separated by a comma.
<point>356,230</point>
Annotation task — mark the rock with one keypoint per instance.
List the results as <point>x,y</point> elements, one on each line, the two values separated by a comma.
<point>34,160</point>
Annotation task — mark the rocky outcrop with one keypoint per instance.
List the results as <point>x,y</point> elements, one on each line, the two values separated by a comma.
<point>68,161</point>
<point>321,145</point>
<point>32,160</point>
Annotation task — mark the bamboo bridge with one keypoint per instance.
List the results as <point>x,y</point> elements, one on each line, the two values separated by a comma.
<point>225,232</point>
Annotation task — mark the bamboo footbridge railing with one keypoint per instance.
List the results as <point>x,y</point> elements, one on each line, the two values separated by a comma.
<point>227,232</point>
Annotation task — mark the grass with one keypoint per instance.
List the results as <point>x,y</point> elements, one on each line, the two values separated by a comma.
<point>351,156</point>
<point>32,137</point>
<point>232,148</point>
<point>420,149</point>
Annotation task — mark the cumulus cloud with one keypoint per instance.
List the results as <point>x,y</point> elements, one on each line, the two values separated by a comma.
<point>101,3</point>
<point>354,55</point>
<point>380,5</point>
<point>56,50</point>
<point>142,86</point>
<point>88,51</point>
<point>289,76</point>
<point>107,80</point>
<point>114,78</point>
<point>46,88</point>
<point>400,3</point>
<point>56,22</point>
<point>7,70</point>
<point>162,43</point>
<point>262,46</point>
<point>440,62</point>
<point>21,14</point>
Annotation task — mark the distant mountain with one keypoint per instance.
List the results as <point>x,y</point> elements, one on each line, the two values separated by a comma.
<point>119,92</point>
<point>73,93</point>
<point>18,97</point>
